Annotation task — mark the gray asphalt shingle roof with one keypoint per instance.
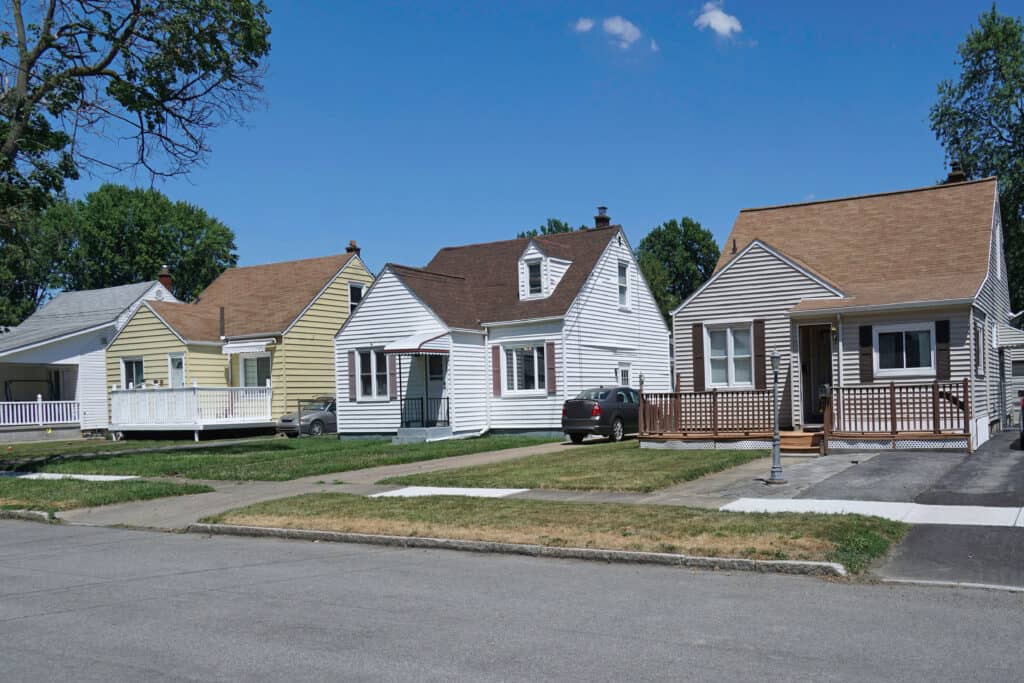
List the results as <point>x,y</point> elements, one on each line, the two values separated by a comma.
<point>71,312</point>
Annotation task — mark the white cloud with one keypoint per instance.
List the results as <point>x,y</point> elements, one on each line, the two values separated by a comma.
<point>713,17</point>
<point>583,24</point>
<point>622,30</point>
<point>654,46</point>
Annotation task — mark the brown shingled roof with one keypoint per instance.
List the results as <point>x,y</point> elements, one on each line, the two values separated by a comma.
<point>479,283</point>
<point>263,299</point>
<point>926,244</point>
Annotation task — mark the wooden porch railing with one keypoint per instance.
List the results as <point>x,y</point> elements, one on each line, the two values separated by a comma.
<point>710,413</point>
<point>893,409</point>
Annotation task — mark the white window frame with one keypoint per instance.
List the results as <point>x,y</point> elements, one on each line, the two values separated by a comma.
<point>539,262</point>
<point>242,357</point>
<point>903,327</point>
<point>170,369</point>
<point>124,374</point>
<point>373,396</point>
<point>980,349</point>
<point>542,388</point>
<point>362,290</point>
<point>728,326</point>
<point>1014,363</point>
<point>626,294</point>
<point>628,369</point>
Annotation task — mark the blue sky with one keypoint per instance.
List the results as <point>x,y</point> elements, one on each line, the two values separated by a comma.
<point>410,126</point>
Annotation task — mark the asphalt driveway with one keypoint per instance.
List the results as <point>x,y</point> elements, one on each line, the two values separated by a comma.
<point>993,475</point>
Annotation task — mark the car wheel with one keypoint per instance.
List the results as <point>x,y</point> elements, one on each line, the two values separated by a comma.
<point>616,434</point>
<point>316,428</point>
<point>577,437</point>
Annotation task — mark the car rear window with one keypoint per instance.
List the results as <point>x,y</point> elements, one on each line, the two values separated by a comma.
<point>592,395</point>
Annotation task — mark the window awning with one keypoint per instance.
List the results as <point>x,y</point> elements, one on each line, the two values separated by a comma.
<point>1007,337</point>
<point>247,346</point>
<point>420,344</point>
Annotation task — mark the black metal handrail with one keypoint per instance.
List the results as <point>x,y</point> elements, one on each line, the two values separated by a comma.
<point>425,412</point>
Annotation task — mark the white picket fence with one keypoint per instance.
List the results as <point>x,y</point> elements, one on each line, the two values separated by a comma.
<point>192,406</point>
<point>38,413</point>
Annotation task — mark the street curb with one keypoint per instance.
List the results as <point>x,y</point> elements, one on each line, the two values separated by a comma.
<point>28,516</point>
<point>954,584</point>
<point>591,554</point>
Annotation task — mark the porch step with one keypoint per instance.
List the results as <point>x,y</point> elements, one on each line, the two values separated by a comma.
<point>800,442</point>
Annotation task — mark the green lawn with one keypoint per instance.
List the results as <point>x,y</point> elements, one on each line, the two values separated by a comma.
<point>283,459</point>
<point>590,467</point>
<point>64,494</point>
<point>851,540</point>
<point>42,449</point>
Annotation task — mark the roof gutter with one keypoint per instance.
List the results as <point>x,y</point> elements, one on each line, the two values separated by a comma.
<point>256,335</point>
<point>525,321</point>
<point>881,308</point>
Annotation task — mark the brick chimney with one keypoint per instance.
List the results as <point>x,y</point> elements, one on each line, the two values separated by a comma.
<point>956,173</point>
<point>602,219</point>
<point>165,278</point>
<point>353,248</point>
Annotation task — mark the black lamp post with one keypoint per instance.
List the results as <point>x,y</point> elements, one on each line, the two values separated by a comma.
<point>776,475</point>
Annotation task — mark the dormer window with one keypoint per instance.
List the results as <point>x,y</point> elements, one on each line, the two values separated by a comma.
<point>535,280</point>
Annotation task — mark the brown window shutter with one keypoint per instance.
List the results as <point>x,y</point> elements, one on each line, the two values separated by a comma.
<point>549,374</point>
<point>760,371</point>
<point>698,357</point>
<point>942,371</point>
<point>496,370</point>
<point>351,376</point>
<point>392,378</point>
<point>867,356</point>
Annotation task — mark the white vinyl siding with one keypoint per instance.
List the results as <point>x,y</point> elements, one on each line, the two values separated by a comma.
<point>469,375</point>
<point>599,336</point>
<point>760,285</point>
<point>993,304</point>
<point>388,312</point>
<point>528,409</point>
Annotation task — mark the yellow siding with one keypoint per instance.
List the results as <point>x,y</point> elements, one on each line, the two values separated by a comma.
<point>206,365</point>
<point>146,337</point>
<point>307,352</point>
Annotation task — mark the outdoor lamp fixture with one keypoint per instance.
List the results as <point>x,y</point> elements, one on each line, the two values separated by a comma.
<point>776,475</point>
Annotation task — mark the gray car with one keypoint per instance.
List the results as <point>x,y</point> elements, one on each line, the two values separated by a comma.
<point>319,416</point>
<point>608,411</point>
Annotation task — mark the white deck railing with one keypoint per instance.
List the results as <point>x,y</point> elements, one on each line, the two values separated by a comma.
<point>38,412</point>
<point>193,406</point>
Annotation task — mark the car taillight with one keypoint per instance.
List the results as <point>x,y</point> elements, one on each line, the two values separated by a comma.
<point>563,411</point>
<point>596,410</point>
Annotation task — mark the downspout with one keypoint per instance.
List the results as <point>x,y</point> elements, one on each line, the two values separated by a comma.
<point>842,356</point>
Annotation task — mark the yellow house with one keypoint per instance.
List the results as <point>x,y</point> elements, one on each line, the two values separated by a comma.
<point>257,340</point>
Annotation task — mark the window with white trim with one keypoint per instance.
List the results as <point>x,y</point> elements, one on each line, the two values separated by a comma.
<point>133,374</point>
<point>729,359</point>
<point>525,369</point>
<point>256,370</point>
<point>534,278</point>
<point>623,374</point>
<point>979,349</point>
<point>355,295</point>
<point>623,285</point>
<point>372,373</point>
<point>1017,368</point>
<point>904,350</point>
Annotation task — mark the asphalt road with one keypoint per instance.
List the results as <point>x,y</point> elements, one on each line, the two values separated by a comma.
<point>99,604</point>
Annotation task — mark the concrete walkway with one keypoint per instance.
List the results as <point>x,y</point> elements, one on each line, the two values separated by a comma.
<point>177,512</point>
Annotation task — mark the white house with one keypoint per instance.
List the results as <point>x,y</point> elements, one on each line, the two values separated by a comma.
<point>496,336</point>
<point>53,365</point>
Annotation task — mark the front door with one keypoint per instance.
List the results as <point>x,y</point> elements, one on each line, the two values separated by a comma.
<point>815,370</point>
<point>437,413</point>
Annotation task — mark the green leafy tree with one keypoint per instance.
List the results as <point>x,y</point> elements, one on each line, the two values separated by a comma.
<point>551,227</point>
<point>121,235</point>
<point>153,75</point>
<point>676,258</point>
<point>30,264</point>
<point>979,120</point>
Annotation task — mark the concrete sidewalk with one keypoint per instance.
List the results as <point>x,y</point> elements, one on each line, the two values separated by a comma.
<point>178,512</point>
